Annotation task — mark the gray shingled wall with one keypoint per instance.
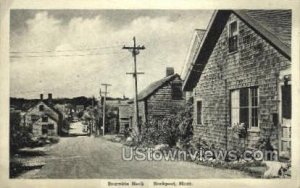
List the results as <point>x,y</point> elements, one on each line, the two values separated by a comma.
<point>256,63</point>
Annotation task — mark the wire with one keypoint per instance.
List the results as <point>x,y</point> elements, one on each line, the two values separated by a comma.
<point>65,55</point>
<point>85,49</point>
<point>65,83</point>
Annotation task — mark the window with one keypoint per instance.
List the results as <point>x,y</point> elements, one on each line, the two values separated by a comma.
<point>51,126</point>
<point>199,112</point>
<point>244,107</point>
<point>34,117</point>
<point>233,36</point>
<point>41,107</point>
<point>44,119</point>
<point>285,145</point>
<point>44,129</point>
<point>176,91</point>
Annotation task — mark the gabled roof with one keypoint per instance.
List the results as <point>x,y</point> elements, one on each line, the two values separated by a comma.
<point>154,86</point>
<point>272,25</point>
<point>50,105</point>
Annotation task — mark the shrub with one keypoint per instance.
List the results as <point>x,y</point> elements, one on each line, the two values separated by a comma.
<point>19,138</point>
<point>170,130</point>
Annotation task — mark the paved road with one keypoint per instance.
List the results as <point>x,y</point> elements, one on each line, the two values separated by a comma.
<point>89,157</point>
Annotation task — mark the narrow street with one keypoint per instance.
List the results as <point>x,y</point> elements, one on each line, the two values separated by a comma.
<point>90,157</point>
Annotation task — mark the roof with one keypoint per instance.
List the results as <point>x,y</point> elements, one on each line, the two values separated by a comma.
<point>148,91</point>
<point>277,22</point>
<point>50,105</point>
<point>194,47</point>
<point>272,25</point>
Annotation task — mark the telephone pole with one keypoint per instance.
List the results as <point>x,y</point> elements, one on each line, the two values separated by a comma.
<point>93,116</point>
<point>99,107</point>
<point>104,105</point>
<point>135,50</point>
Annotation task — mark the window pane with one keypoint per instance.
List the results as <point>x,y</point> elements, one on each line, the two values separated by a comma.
<point>232,43</point>
<point>235,116</point>
<point>254,117</point>
<point>244,116</point>
<point>235,107</point>
<point>286,132</point>
<point>244,97</point>
<point>235,99</point>
<point>199,112</point>
<point>254,97</point>
<point>286,101</point>
<point>285,145</point>
<point>233,29</point>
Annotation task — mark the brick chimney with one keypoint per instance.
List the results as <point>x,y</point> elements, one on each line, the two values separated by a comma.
<point>50,98</point>
<point>41,97</point>
<point>169,71</point>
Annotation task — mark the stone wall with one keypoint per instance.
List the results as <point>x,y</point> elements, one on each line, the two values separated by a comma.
<point>256,63</point>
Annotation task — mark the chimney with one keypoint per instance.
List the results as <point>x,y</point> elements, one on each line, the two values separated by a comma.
<point>169,71</point>
<point>41,97</point>
<point>50,98</point>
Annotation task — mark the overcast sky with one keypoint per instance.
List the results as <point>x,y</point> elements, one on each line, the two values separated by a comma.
<point>70,53</point>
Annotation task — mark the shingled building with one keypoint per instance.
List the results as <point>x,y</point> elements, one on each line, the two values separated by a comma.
<point>159,99</point>
<point>240,78</point>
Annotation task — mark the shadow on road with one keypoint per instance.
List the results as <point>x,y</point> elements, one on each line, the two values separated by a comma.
<point>77,134</point>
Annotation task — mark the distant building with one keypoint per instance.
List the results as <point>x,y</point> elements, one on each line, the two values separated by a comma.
<point>159,99</point>
<point>43,118</point>
<point>240,78</point>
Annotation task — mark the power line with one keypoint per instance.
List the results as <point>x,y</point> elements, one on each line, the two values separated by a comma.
<point>65,83</point>
<point>65,55</point>
<point>71,50</point>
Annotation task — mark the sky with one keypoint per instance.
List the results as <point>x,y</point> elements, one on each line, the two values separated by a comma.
<point>69,53</point>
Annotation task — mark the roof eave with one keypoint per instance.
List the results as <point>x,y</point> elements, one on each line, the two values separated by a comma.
<point>214,29</point>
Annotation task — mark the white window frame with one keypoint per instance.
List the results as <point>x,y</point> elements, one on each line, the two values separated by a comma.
<point>237,27</point>
<point>237,33</point>
<point>250,107</point>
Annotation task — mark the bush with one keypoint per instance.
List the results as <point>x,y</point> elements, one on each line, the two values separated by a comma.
<point>176,128</point>
<point>20,138</point>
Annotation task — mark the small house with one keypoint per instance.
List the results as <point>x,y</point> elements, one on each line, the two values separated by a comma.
<point>43,119</point>
<point>159,99</point>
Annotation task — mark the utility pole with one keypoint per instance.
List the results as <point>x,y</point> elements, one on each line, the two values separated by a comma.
<point>99,107</point>
<point>135,50</point>
<point>104,105</point>
<point>93,115</point>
